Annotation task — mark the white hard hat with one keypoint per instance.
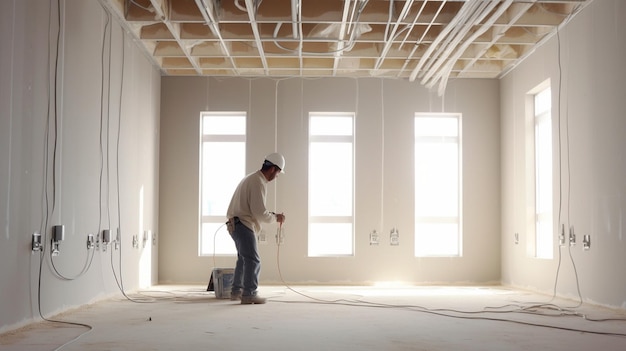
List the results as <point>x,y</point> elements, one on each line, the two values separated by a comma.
<point>277,160</point>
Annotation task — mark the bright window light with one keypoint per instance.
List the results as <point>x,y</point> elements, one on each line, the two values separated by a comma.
<point>543,175</point>
<point>437,185</point>
<point>330,239</point>
<point>331,185</point>
<point>223,147</point>
<point>329,175</point>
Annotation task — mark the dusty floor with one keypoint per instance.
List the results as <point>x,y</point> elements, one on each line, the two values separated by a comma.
<point>330,318</point>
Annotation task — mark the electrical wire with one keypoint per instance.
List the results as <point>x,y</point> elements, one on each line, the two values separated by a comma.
<point>147,8</point>
<point>442,39</point>
<point>390,13</point>
<point>90,255</point>
<point>214,243</point>
<point>569,173</point>
<point>46,201</point>
<point>559,143</point>
<point>560,162</point>
<point>484,314</point>
<point>280,274</point>
<point>173,296</point>
<point>275,121</point>
<point>104,182</point>
<point>118,243</point>
<point>102,115</point>
<point>85,269</point>
<point>351,41</point>
<point>421,39</point>
<point>119,279</point>
<point>49,210</point>
<point>382,154</point>
<point>108,127</point>
<point>105,132</point>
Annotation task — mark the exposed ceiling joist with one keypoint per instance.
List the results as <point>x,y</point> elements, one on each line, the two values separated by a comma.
<point>429,41</point>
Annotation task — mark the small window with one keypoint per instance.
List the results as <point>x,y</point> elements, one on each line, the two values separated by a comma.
<point>331,184</point>
<point>222,147</point>
<point>437,185</point>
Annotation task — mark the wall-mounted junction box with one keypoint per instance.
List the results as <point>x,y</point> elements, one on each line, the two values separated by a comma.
<point>586,242</point>
<point>562,235</point>
<point>90,241</point>
<point>394,237</point>
<point>58,234</point>
<point>374,237</point>
<point>36,242</point>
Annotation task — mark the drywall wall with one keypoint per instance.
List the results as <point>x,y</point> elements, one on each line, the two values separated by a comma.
<point>585,66</point>
<point>278,115</point>
<point>79,148</point>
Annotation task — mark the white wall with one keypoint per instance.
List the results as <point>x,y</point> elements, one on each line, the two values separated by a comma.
<point>82,181</point>
<point>384,175</point>
<point>588,90</point>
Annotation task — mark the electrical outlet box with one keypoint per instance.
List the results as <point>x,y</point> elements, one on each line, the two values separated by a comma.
<point>106,239</point>
<point>586,242</point>
<point>280,236</point>
<point>394,237</point>
<point>146,237</point>
<point>90,241</point>
<point>262,239</point>
<point>106,236</point>
<point>58,233</point>
<point>374,238</point>
<point>36,242</point>
<point>118,239</point>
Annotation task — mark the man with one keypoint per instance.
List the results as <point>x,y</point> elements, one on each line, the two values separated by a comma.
<point>245,213</point>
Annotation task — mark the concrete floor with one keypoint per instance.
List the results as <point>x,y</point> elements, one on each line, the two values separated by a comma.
<point>330,318</point>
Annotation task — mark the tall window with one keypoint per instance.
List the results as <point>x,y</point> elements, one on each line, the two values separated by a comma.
<point>543,174</point>
<point>437,185</point>
<point>331,184</point>
<point>222,165</point>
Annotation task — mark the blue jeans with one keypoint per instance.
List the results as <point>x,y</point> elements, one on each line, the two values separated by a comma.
<point>248,267</point>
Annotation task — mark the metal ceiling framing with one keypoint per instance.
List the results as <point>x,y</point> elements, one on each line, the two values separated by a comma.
<point>427,41</point>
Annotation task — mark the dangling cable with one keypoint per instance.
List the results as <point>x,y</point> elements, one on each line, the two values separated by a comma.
<point>276,115</point>
<point>382,154</point>
<point>533,309</point>
<point>49,210</point>
<point>275,133</point>
<point>560,153</point>
<point>280,274</point>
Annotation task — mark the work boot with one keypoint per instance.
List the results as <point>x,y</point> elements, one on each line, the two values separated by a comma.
<point>235,296</point>
<point>252,299</point>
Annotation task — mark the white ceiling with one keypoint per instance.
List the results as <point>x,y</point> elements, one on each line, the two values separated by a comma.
<point>426,41</point>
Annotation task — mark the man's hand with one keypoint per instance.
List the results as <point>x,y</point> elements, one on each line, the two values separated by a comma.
<point>280,218</point>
